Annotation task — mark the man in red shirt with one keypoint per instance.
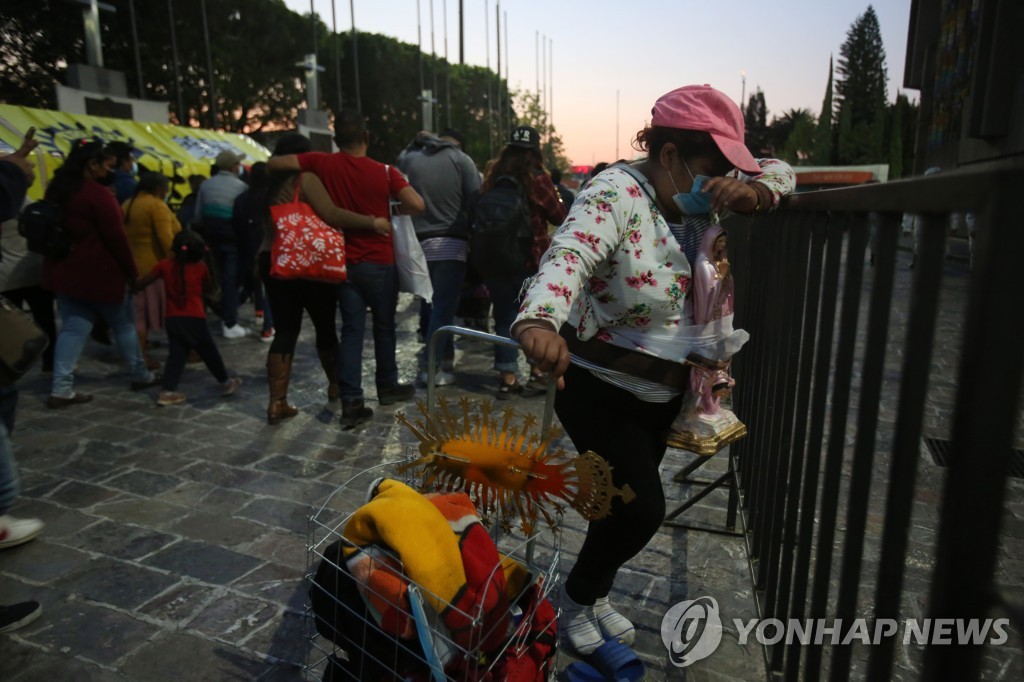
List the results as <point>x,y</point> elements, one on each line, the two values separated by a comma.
<point>358,183</point>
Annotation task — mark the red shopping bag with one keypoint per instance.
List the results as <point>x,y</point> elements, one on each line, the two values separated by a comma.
<point>305,247</point>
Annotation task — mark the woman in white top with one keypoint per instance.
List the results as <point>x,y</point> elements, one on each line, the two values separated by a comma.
<point>616,282</point>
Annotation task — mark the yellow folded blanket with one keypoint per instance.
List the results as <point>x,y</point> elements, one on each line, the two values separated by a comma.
<point>408,523</point>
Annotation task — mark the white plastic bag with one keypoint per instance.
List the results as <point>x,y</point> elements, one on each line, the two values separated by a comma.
<point>413,276</point>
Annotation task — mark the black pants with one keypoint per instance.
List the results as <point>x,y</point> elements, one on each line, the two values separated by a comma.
<point>288,298</point>
<point>185,334</point>
<point>40,302</point>
<point>630,434</point>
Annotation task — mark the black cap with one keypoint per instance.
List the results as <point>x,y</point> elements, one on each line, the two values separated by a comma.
<point>525,136</point>
<point>455,134</point>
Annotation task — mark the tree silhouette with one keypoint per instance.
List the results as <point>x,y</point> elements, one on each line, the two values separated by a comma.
<point>255,45</point>
<point>755,123</point>
<point>861,91</point>
<point>792,135</point>
<point>822,154</point>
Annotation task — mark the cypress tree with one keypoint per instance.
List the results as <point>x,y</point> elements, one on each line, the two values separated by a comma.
<point>822,155</point>
<point>861,89</point>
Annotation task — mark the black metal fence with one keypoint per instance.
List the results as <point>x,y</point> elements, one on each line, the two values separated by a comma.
<point>835,402</point>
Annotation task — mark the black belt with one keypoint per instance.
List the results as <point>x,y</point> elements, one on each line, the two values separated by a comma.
<point>634,363</point>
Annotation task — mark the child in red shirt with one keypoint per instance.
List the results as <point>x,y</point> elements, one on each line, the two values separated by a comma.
<point>185,277</point>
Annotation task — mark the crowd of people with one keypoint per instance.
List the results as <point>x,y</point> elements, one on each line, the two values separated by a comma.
<point>602,304</point>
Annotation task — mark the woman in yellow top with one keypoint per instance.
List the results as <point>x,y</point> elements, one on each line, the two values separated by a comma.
<point>151,226</point>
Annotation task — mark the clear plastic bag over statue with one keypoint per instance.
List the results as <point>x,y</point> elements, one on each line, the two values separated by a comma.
<point>703,425</point>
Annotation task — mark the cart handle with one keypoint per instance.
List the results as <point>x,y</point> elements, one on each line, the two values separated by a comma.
<point>549,398</point>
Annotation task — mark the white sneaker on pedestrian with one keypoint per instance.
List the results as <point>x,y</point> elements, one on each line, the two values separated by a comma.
<point>441,378</point>
<point>235,332</point>
<point>15,532</point>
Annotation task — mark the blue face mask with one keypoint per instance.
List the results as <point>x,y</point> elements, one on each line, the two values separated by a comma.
<point>693,202</point>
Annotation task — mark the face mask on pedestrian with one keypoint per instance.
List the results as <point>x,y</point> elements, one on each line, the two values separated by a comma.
<point>693,202</point>
<point>104,174</point>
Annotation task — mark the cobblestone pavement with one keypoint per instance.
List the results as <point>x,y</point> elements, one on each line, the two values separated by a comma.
<point>175,544</point>
<point>176,538</point>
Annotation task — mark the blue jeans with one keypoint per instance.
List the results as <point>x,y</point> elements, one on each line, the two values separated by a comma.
<point>77,317</point>
<point>505,299</point>
<point>446,277</point>
<point>9,484</point>
<point>226,254</point>
<point>373,286</point>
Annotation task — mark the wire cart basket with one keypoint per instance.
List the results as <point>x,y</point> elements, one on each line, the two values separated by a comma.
<point>390,627</point>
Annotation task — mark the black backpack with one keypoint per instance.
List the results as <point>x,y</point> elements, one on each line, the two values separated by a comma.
<point>42,225</point>
<point>502,236</point>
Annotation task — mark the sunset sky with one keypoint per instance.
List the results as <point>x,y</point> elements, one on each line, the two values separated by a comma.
<point>640,50</point>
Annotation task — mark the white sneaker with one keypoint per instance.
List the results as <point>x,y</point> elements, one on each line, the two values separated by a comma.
<point>14,531</point>
<point>235,332</point>
<point>441,378</point>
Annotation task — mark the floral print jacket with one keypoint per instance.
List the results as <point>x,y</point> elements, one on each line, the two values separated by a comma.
<point>614,270</point>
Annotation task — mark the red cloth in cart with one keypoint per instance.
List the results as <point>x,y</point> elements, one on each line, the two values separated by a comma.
<point>422,531</point>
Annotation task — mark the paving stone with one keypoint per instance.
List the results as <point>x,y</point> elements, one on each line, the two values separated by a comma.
<point>24,663</point>
<point>218,529</point>
<point>118,583</point>
<point>179,603</point>
<point>278,513</point>
<point>138,510</point>
<point>82,495</point>
<point>283,639</point>
<point>181,656</point>
<point>294,467</point>
<point>186,494</point>
<point>219,474</point>
<point>225,500</point>
<point>282,585</point>
<point>41,561</point>
<point>118,540</point>
<point>233,618</point>
<point>60,521</point>
<point>206,562</point>
<point>288,549</point>
<point>285,672</point>
<point>158,461</point>
<point>142,483</point>
<point>109,636</point>
<point>110,433</point>
<point>287,488</point>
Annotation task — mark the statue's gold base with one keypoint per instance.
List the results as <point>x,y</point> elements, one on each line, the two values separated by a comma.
<point>706,435</point>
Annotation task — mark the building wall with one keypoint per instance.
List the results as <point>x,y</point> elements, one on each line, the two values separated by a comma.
<point>966,58</point>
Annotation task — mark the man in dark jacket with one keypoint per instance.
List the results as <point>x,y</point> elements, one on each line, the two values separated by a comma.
<point>448,181</point>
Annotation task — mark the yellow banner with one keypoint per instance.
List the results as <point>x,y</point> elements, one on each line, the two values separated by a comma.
<point>175,151</point>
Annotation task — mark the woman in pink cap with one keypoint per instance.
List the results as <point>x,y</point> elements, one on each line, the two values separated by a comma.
<point>613,296</point>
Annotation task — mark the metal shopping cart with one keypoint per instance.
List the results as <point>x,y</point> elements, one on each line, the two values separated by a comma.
<point>392,627</point>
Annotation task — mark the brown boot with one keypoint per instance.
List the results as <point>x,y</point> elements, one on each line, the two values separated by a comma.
<point>329,361</point>
<point>279,371</point>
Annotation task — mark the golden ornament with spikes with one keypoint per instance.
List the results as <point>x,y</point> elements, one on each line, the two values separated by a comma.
<point>506,467</point>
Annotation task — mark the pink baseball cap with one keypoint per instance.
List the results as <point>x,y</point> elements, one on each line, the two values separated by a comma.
<point>701,107</point>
